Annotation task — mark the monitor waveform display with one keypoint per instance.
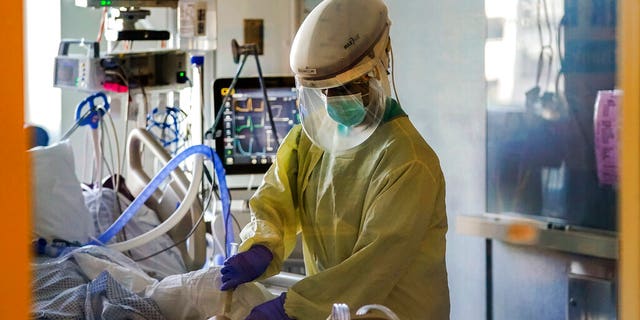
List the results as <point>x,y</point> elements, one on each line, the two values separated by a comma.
<point>248,134</point>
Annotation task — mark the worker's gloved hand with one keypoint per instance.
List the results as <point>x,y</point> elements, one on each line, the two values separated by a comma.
<point>245,266</point>
<point>270,310</point>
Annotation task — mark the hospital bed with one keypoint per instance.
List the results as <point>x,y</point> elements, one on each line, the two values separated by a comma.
<point>193,251</point>
<point>72,285</point>
<point>75,285</point>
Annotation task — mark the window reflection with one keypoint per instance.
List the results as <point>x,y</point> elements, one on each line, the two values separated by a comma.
<point>545,62</point>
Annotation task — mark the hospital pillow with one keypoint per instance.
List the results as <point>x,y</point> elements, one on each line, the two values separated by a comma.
<point>59,211</point>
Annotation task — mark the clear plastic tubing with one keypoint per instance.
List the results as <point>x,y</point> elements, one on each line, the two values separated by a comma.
<point>137,203</point>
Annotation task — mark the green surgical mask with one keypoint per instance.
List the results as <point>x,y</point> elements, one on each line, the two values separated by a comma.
<point>347,110</point>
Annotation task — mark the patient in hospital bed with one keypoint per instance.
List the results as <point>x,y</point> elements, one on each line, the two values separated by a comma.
<point>99,283</point>
<point>94,282</point>
<point>150,257</point>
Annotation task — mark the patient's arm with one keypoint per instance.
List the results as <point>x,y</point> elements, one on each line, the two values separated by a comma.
<point>196,295</point>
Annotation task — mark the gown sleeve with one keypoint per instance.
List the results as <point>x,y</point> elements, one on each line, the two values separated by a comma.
<point>274,223</point>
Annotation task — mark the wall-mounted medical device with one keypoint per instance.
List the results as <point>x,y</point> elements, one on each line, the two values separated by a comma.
<point>117,71</point>
<point>245,139</point>
<point>78,71</point>
<point>146,69</point>
<point>124,16</point>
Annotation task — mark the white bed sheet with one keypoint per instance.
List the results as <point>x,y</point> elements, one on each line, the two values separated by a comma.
<point>162,265</point>
<point>193,295</point>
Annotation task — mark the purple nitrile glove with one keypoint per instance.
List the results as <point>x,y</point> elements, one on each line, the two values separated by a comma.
<point>270,310</point>
<point>245,266</point>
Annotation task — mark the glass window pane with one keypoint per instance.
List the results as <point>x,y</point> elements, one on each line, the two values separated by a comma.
<point>546,61</point>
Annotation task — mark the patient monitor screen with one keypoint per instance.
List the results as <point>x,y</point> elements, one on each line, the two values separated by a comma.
<point>245,139</point>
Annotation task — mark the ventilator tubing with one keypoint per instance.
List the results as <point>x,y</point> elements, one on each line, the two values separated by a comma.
<point>183,208</point>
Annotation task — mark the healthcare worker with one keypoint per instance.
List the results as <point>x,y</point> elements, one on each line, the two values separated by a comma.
<point>356,179</point>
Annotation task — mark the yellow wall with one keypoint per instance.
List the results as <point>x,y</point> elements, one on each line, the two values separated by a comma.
<point>629,71</point>
<point>14,234</point>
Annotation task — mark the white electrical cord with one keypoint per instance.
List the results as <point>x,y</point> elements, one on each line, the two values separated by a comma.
<point>365,309</point>
<point>216,240</point>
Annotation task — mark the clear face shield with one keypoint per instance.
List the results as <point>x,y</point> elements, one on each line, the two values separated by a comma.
<point>342,117</point>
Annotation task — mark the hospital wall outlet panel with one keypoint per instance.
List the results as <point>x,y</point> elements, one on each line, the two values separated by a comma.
<point>254,33</point>
<point>279,25</point>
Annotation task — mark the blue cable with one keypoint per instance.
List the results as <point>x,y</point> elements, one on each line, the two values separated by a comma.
<point>226,203</point>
